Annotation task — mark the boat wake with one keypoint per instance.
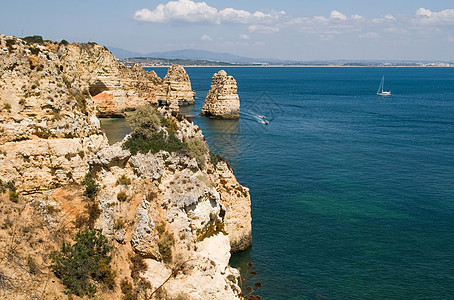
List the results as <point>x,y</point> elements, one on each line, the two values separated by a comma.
<point>255,117</point>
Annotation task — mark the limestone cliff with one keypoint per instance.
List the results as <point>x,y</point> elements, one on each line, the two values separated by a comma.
<point>48,124</point>
<point>114,87</point>
<point>178,211</point>
<point>176,87</point>
<point>222,100</point>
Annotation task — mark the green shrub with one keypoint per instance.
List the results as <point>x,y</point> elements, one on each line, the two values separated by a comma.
<point>91,187</point>
<point>137,265</point>
<point>7,185</point>
<point>32,267</point>
<point>80,221</point>
<point>216,158</point>
<point>33,39</point>
<point>147,134</point>
<point>199,149</point>
<point>80,264</point>
<point>64,42</point>
<point>161,228</point>
<point>137,143</point>
<point>124,180</point>
<point>94,212</point>
<point>170,124</point>
<point>165,244</point>
<point>128,292</point>
<point>144,121</point>
<point>13,196</point>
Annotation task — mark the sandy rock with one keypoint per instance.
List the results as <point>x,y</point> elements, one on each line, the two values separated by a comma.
<point>176,88</point>
<point>110,156</point>
<point>144,240</point>
<point>222,100</point>
<point>41,164</point>
<point>237,202</point>
<point>51,137</point>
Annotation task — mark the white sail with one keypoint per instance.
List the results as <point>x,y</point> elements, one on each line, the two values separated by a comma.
<point>380,90</point>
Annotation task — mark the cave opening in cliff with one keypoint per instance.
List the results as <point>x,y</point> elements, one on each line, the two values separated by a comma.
<point>97,87</point>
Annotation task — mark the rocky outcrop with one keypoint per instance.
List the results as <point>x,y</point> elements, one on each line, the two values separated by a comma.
<point>237,203</point>
<point>222,100</point>
<point>48,124</point>
<point>169,208</point>
<point>113,87</point>
<point>181,204</point>
<point>176,87</point>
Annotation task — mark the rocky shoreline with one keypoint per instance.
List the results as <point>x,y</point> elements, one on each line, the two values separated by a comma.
<point>51,95</point>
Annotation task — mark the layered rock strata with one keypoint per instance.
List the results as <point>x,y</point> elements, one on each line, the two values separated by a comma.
<point>176,88</point>
<point>48,122</point>
<point>222,100</point>
<point>169,208</point>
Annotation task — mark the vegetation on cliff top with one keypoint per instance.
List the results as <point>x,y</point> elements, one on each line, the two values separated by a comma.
<point>147,134</point>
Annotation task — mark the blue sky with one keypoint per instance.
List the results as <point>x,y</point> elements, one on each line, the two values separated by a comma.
<point>300,30</point>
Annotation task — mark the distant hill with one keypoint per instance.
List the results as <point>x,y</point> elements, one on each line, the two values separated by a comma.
<point>202,55</point>
<point>186,54</point>
<point>122,53</point>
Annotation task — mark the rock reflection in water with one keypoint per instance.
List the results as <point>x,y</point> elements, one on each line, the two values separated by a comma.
<point>115,128</point>
<point>223,135</point>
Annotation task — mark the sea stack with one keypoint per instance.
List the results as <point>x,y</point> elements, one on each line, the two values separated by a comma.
<point>176,86</point>
<point>222,101</point>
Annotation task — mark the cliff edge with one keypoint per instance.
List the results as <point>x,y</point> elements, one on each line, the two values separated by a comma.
<point>172,213</point>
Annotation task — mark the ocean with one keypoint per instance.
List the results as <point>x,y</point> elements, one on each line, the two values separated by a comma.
<point>352,193</point>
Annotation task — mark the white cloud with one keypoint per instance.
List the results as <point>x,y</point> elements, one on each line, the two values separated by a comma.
<point>389,17</point>
<point>200,12</point>
<point>335,15</point>
<point>244,37</point>
<point>426,16</point>
<point>263,29</point>
<point>242,16</point>
<point>206,38</point>
<point>357,17</point>
<point>396,30</point>
<point>181,10</point>
<point>369,35</point>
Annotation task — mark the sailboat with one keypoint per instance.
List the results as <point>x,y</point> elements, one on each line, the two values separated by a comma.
<point>380,90</point>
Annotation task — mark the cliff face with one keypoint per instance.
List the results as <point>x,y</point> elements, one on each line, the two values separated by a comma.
<point>48,124</point>
<point>174,190</point>
<point>113,87</point>
<point>222,100</point>
<point>176,213</point>
<point>176,87</point>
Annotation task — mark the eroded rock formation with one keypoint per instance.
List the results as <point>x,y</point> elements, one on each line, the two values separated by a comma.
<point>48,124</point>
<point>222,100</point>
<point>169,208</point>
<point>176,87</point>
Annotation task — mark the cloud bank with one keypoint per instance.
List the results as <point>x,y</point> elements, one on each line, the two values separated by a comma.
<point>200,12</point>
<point>427,17</point>
<point>326,27</point>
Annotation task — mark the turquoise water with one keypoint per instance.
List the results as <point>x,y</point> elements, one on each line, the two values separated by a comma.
<point>352,193</point>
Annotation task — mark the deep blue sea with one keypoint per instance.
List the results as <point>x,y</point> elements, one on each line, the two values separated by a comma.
<point>352,193</point>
